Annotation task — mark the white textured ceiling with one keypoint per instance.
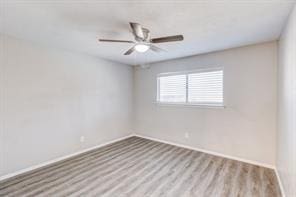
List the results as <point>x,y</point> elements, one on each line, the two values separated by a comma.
<point>206,25</point>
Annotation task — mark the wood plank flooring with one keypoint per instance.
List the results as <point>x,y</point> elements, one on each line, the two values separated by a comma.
<point>138,167</point>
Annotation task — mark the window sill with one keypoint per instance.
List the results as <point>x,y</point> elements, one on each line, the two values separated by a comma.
<point>190,105</point>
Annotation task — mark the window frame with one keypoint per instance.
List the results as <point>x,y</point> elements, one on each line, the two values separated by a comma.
<point>205,105</point>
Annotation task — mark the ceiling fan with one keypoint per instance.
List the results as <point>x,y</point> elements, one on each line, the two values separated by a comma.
<point>143,42</point>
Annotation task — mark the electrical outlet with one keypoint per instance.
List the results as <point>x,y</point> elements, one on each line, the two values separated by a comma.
<point>187,135</point>
<point>82,138</point>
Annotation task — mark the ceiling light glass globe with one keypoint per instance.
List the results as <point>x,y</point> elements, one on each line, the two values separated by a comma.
<point>141,48</point>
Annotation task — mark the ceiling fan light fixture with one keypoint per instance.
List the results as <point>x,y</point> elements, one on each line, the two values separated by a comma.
<point>143,42</point>
<point>142,48</point>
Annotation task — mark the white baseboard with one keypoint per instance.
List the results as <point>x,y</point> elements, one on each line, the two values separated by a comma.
<point>59,159</point>
<point>142,136</point>
<point>209,152</point>
<point>280,182</point>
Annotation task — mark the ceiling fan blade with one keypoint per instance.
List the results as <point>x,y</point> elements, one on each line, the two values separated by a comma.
<point>167,39</point>
<point>128,52</point>
<point>155,48</point>
<point>108,40</point>
<point>137,30</point>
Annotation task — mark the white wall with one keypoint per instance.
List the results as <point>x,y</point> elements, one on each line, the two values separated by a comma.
<point>246,128</point>
<point>50,97</point>
<point>286,151</point>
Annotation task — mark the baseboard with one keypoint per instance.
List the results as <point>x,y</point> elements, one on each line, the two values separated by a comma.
<point>209,152</point>
<point>142,136</point>
<point>280,182</point>
<point>60,159</point>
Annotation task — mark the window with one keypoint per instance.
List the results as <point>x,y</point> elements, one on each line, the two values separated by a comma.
<point>203,87</point>
<point>172,89</point>
<point>206,87</point>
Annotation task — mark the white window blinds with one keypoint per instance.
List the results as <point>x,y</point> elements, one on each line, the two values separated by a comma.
<point>172,89</point>
<point>196,88</point>
<point>205,87</point>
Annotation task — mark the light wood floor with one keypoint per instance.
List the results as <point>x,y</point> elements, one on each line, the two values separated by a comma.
<point>140,167</point>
